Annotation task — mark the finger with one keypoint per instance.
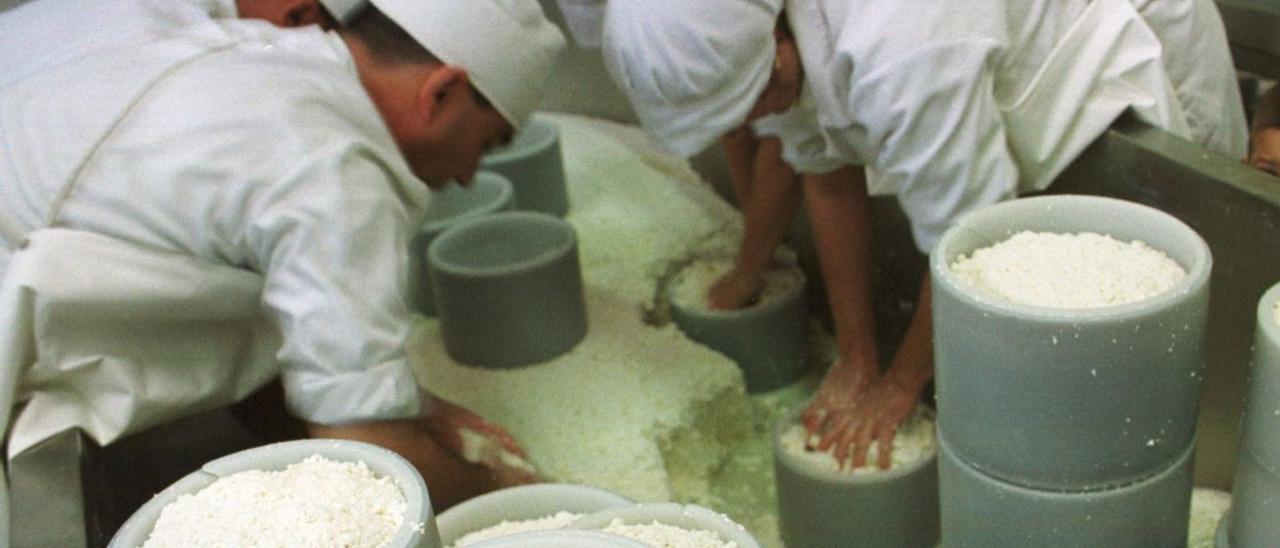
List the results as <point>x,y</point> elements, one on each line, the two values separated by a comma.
<point>836,426</point>
<point>885,440</point>
<point>843,442</point>
<point>862,443</point>
<point>500,435</point>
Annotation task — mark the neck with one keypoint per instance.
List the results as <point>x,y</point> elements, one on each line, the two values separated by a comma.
<point>392,87</point>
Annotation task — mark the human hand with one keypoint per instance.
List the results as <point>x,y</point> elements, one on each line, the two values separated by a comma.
<point>849,430</point>
<point>479,441</point>
<point>734,290</point>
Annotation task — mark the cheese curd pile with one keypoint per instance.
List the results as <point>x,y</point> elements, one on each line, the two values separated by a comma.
<point>314,503</point>
<point>689,289</point>
<point>558,520</point>
<point>1082,270</point>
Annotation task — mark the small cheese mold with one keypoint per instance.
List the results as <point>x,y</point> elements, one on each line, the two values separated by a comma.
<point>508,288</point>
<point>820,506</point>
<point>766,340</point>
<point>488,193</point>
<point>533,163</point>
<point>417,527</point>
<point>523,504</point>
<point>1070,398</point>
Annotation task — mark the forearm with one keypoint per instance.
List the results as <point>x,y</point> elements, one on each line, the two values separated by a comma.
<point>840,217</point>
<point>767,215</point>
<point>739,152</point>
<point>912,367</point>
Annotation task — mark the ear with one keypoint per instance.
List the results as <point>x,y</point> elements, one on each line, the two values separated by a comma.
<point>442,87</point>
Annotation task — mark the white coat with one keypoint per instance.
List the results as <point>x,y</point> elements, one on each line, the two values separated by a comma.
<point>44,33</point>
<point>238,146</point>
<point>954,106</point>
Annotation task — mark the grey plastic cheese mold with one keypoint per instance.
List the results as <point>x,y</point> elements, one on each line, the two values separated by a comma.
<point>1255,505</point>
<point>533,163</point>
<point>1070,399</point>
<point>820,508</point>
<point>981,511</point>
<point>488,193</point>
<point>767,340</point>
<point>508,288</point>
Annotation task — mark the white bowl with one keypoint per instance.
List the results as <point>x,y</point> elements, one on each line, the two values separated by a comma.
<point>417,530</point>
<point>560,539</point>
<point>524,503</point>
<point>685,516</point>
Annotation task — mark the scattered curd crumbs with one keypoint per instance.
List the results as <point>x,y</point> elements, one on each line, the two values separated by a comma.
<point>689,290</point>
<point>316,503</point>
<point>1207,508</point>
<point>559,520</point>
<point>661,535</point>
<point>1083,270</point>
<point>915,440</point>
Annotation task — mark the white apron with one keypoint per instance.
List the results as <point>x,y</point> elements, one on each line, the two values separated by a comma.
<point>113,339</point>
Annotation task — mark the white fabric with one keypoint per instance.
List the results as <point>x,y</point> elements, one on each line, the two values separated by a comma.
<point>284,169</point>
<point>585,19</point>
<point>119,337</point>
<point>42,33</point>
<point>508,47</point>
<point>956,105</point>
<point>343,10</point>
<point>691,70</point>
<point>1023,87</point>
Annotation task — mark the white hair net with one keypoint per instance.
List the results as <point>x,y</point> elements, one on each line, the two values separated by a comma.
<point>692,69</point>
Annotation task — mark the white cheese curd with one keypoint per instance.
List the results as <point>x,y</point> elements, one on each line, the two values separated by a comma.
<point>689,291</point>
<point>661,535</point>
<point>1084,270</point>
<point>915,440</point>
<point>559,520</point>
<point>1275,313</point>
<point>314,503</point>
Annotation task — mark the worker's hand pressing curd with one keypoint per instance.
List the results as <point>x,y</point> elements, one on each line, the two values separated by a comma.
<point>736,289</point>
<point>854,407</point>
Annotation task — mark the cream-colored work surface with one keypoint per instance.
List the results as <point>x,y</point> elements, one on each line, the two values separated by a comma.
<point>636,407</point>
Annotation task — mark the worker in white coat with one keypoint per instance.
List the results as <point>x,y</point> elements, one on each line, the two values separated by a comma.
<point>153,191</point>
<point>951,106</point>
<point>41,33</point>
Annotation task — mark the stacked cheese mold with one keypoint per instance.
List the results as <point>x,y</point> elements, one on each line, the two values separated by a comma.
<point>824,503</point>
<point>1067,426</point>
<point>1255,511</point>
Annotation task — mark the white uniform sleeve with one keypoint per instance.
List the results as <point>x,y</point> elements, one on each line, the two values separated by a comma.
<point>804,147</point>
<point>332,242</point>
<point>931,126</point>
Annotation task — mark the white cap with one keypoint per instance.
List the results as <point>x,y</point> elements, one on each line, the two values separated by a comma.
<point>343,10</point>
<point>692,69</point>
<point>507,47</point>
